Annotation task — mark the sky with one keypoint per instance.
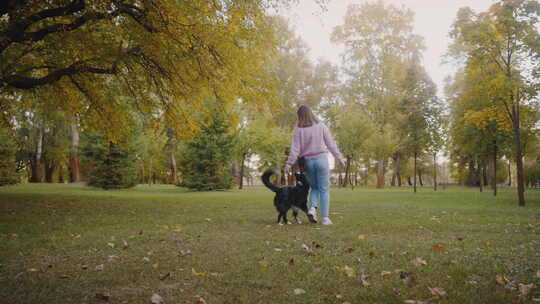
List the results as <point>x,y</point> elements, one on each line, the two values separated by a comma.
<point>433,20</point>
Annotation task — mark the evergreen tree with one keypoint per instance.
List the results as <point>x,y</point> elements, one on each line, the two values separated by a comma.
<point>114,162</point>
<point>8,164</point>
<point>207,157</point>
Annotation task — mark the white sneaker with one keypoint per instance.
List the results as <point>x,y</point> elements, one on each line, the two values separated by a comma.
<point>326,221</point>
<point>312,215</point>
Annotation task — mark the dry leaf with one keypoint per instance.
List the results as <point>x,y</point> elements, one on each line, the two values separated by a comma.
<point>525,290</point>
<point>438,247</point>
<point>338,296</point>
<point>111,245</point>
<point>156,299</point>
<point>385,273</point>
<point>291,261</point>
<point>146,259</point>
<point>307,249</point>
<point>299,291</point>
<point>538,273</point>
<point>363,280</point>
<point>199,274</point>
<point>32,270</point>
<point>264,263</point>
<point>126,245</point>
<point>501,279</point>
<point>371,254</point>
<point>155,266</point>
<point>164,276</point>
<point>84,267</point>
<point>100,267</point>
<point>361,236</point>
<point>104,296</point>
<point>278,249</point>
<point>437,291</point>
<point>419,261</point>
<point>200,301</point>
<point>349,250</point>
<point>407,278</point>
<point>416,302</point>
<point>184,252</point>
<point>350,272</point>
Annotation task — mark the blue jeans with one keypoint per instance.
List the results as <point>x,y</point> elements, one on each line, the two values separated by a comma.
<point>318,173</point>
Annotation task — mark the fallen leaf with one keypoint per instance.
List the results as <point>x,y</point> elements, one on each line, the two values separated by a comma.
<point>350,272</point>
<point>299,291</point>
<point>371,254</point>
<point>538,273</point>
<point>438,247</point>
<point>200,301</point>
<point>104,296</point>
<point>525,290</point>
<point>184,252</point>
<point>199,274</point>
<point>385,273</point>
<point>338,296</point>
<point>307,249</point>
<point>264,263</point>
<point>278,249</point>
<point>126,245</point>
<point>361,236</point>
<point>64,276</point>
<point>146,259</point>
<point>363,280</point>
<point>349,250</point>
<point>100,267</point>
<point>111,245</point>
<point>155,266</point>
<point>291,261</point>
<point>164,276</point>
<point>316,245</point>
<point>156,299</point>
<point>84,267</point>
<point>407,278</point>
<point>419,261</point>
<point>437,291</point>
<point>416,302</point>
<point>32,270</point>
<point>501,279</point>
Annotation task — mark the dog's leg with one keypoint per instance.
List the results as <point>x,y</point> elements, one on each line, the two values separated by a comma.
<point>279,218</point>
<point>295,214</point>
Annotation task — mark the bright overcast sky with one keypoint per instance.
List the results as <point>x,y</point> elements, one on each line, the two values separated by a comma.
<point>433,19</point>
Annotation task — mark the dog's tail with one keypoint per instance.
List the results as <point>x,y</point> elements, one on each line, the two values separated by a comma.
<point>266,180</point>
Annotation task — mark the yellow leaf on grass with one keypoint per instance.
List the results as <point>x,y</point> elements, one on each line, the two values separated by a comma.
<point>199,274</point>
<point>350,272</point>
<point>264,263</point>
<point>361,236</point>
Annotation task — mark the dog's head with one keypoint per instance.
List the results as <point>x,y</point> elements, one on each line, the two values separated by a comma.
<point>301,179</point>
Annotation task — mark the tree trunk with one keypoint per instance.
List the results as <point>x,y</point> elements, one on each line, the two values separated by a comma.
<point>435,171</point>
<point>480,179</point>
<point>241,182</point>
<point>75,169</point>
<point>380,173</point>
<point>150,173</point>
<point>420,178</point>
<point>398,171</point>
<point>494,179</point>
<point>174,170</point>
<point>519,155</point>
<point>484,175</point>
<point>61,174</point>
<point>37,168</point>
<point>409,180</point>
<point>414,180</point>
<point>509,173</point>
<point>49,171</point>
<point>347,169</point>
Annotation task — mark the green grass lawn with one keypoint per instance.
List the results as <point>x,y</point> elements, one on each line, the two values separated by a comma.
<point>226,247</point>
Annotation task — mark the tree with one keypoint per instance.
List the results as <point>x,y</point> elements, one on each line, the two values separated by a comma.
<point>504,39</point>
<point>114,163</point>
<point>207,156</point>
<point>379,42</point>
<point>161,55</point>
<point>8,163</point>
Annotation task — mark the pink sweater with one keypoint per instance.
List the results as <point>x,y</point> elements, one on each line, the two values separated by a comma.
<point>311,142</point>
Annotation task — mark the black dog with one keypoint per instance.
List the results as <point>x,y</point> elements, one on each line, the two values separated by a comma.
<point>289,197</point>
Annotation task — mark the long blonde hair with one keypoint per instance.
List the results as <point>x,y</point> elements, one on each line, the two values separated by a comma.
<point>306,118</point>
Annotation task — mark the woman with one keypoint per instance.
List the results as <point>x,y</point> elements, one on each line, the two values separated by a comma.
<point>312,140</point>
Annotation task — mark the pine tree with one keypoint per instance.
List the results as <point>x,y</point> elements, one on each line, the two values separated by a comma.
<point>114,162</point>
<point>8,164</point>
<point>207,157</point>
